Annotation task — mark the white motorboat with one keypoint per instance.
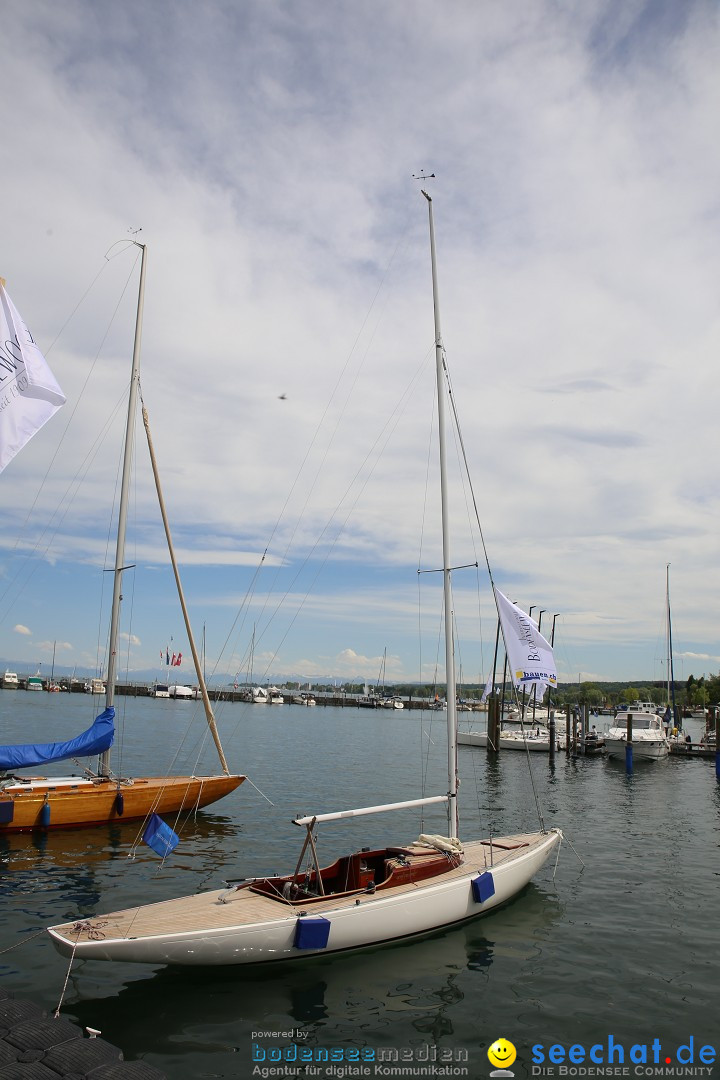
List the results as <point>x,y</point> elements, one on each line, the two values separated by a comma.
<point>183,693</point>
<point>95,686</point>
<point>374,895</point>
<point>649,742</point>
<point>10,680</point>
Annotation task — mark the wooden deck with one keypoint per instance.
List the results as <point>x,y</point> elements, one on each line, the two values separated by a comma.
<point>226,908</point>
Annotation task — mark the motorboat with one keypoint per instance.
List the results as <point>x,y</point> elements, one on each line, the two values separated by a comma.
<point>183,693</point>
<point>649,741</point>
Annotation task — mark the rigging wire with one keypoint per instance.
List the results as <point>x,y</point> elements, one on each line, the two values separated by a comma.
<point>67,498</point>
<point>451,398</point>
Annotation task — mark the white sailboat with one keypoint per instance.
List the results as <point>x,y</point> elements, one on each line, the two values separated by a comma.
<point>363,899</point>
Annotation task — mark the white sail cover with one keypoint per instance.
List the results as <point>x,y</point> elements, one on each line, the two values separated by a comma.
<point>29,394</point>
<point>530,656</point>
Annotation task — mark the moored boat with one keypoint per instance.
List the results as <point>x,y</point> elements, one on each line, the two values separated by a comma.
<point>100,797</point>
<point>649,742</point>
<point>181,693</point>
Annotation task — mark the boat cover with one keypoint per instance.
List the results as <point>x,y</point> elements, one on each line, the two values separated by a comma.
<point>95,740</point>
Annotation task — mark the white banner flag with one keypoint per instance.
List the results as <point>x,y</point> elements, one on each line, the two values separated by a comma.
<point>530,656</point>
<point>488,689</point>
<point>29,394</point>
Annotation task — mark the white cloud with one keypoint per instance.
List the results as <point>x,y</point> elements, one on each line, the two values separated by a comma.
<point>267,153</point>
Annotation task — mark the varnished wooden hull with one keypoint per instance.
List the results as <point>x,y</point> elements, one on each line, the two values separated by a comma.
<point>80,803</point>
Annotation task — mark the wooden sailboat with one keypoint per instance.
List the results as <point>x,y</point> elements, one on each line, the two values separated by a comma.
<point>28,802</point>
<point>367,898</point>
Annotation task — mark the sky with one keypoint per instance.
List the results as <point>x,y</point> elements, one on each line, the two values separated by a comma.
<point>267,152</point>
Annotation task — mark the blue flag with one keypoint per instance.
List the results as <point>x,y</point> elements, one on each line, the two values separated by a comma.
<point>160,837</point>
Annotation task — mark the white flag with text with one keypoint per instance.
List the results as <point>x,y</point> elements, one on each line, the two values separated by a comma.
<point>29,394</point>
<point>530,656</point>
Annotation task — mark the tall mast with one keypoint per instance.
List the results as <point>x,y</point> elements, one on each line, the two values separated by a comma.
<point>104,763</point>
<point>671,673</point>
<point>447,590</point>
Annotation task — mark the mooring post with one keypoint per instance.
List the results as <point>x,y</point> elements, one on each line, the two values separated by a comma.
<point>629,746</point>
<point>493,724</point>
<point>551,728</point>
<point>717,745</point>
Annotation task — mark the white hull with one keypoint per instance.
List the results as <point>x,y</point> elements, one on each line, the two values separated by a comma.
<point>648,738</point>
<point>181,692</point>
<point>216,929</point>
<point>643,750</point>
<point>539,743</point>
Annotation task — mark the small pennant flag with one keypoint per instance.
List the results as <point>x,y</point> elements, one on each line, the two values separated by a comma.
<point>159,836</point>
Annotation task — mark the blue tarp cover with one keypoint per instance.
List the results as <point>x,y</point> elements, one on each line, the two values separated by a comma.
<point>95,740</point>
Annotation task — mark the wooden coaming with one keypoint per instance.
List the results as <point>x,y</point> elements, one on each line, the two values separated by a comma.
<point>361,872</point>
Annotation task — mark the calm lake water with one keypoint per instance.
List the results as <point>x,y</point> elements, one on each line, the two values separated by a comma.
<point>625,948</point>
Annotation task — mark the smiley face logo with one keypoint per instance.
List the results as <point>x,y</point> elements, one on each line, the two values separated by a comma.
<point>502,1053</point>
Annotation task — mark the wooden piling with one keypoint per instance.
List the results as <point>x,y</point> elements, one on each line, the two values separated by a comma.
<point>629,746</point>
